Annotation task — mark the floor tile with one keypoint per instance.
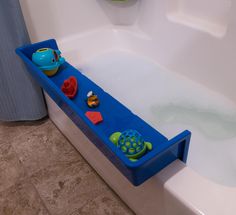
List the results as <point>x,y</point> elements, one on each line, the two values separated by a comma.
<point>60,180</point>
<point>21,199</point>
<point>44,147</point>
<point>11,130</point>
<point>65,188</point>
<point>11,169</point>
<point>106,203</point>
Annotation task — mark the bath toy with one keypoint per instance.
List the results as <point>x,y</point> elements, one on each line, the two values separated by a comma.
<point>48,60</point>
<point>131,143</point>
<point>92,100</point>
<point>94,117</point>
<point>70,87</point>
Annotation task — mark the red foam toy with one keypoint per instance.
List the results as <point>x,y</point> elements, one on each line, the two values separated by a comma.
<point>70,87</point>
<point>94,117</point>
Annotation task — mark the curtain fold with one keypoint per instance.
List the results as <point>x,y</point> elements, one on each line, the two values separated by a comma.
<point>20,96</point>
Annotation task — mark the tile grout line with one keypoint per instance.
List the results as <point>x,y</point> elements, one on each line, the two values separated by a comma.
<point>27,177</point>
<point>42,202</point>
<point>27,174</point>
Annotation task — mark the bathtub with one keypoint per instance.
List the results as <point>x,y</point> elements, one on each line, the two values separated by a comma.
<point>188,43</point>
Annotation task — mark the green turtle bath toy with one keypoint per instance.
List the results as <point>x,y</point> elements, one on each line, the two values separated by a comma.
<point>131,143</point>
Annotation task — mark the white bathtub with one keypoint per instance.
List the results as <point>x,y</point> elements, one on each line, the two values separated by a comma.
<point>190,38</point>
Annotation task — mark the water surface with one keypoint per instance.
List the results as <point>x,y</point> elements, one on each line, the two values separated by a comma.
<point>172,103</point>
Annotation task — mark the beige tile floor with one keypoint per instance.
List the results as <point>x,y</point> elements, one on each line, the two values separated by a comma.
<point>42,173</point>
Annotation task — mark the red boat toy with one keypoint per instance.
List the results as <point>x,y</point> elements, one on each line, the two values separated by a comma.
<point>70,87</point>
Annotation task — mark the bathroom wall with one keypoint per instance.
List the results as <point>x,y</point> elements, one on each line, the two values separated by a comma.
<point>60,18</point>
<point>120,12</point>
<point>193,47</point>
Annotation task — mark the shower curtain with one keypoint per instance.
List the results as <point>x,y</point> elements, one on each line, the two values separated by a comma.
<point>20,96</point>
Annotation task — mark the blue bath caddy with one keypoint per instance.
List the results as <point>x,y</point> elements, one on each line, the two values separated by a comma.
<point>116,117</point>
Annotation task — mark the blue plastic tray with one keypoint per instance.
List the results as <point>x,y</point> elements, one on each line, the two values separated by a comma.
<point>116,117</point>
